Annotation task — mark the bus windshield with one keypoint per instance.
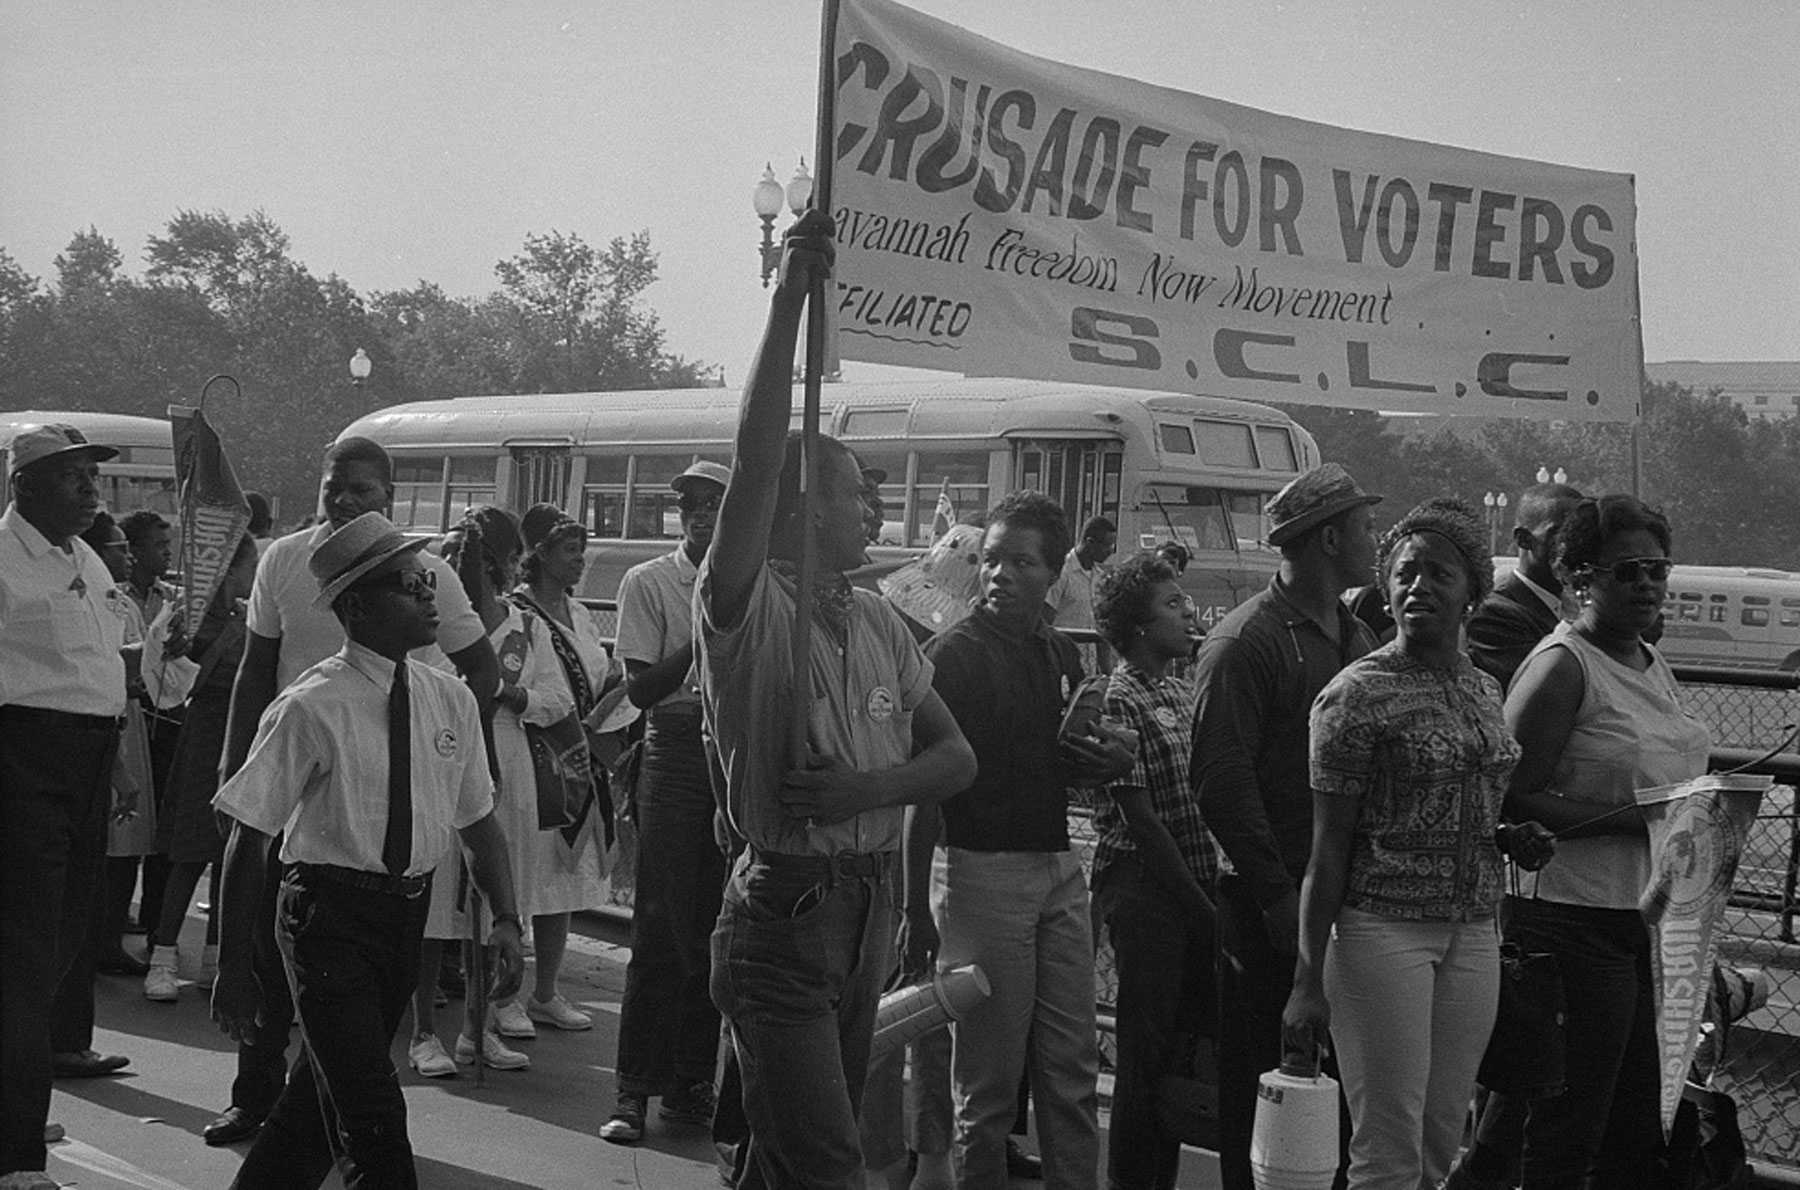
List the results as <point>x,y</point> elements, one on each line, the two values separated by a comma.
<point>1202,518</point>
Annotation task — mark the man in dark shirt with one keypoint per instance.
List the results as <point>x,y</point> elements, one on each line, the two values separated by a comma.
<point>1258,672</point>
<point>1012,897</point>
<point>1526,604</point>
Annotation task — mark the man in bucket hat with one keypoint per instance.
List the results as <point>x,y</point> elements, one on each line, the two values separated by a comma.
<point>62,691</point>
<point>374,763</point>
<point>1258,672</point>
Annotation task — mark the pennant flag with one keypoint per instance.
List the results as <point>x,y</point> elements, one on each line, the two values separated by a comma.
<point>1697,832</point>
<point>935,591</point>
<point>214,513</point>
<point>1000,214</point>
<point>944,515</point>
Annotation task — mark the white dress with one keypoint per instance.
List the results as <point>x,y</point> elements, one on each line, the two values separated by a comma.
<point>549,876</point>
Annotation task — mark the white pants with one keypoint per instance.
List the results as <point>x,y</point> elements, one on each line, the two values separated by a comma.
<point>1023,917</point>
<point>1412,1005</point>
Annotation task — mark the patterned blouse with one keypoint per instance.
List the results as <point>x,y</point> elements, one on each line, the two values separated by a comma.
<point>1427,752</point>
<point>1161,711</point>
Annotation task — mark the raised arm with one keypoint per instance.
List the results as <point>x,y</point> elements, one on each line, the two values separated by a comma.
<point>746,518</point>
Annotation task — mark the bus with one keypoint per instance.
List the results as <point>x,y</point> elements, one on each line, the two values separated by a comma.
<point>1163,466</point>
<point>1738,616</point>
<point>143,474</point>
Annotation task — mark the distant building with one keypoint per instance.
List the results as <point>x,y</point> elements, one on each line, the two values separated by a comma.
<point>1761,388</point>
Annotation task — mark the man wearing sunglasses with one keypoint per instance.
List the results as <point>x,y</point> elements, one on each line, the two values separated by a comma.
<point>288,635</point>
<point>1526,604</point>
<point>374,764</point>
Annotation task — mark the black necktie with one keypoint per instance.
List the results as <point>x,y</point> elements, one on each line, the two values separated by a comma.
<point>396,847</point>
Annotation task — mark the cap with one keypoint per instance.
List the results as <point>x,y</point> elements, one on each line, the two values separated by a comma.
<point>33,443</point>
<point>1317,496</point>
<point>353,551</point>
<point>705,469</point>
<point>874,475</point>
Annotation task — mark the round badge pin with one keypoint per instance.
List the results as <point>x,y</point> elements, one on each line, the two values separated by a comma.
<point>881,704</point>
<point>445,743</point>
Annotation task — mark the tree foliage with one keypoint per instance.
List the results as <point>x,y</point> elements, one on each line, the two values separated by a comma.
<point>224,295</point>
<point>1724,480</point>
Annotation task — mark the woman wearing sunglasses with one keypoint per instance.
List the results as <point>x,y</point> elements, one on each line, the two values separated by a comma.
<point>1596,712</point>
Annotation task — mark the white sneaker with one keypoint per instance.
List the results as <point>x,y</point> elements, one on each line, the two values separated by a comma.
<point>161,984</point>
<point>428,1057</point>
<point>494,1054</point>
<point>510,1021</point>
<point>209,966</point>
<point>559,1013</point>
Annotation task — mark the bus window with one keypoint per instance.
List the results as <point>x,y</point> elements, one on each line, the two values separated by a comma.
<point>540,475</point>
<point>1275,447</point>
<point>1246,510</point>
<point>967,471</point>
<point>1790,619</point>
<point>1716,614</point>
<point>1691,612</point>
<point>1176,439</point>
<point>472,483</point>
<point>1226,444</point>
<point>1193,516</point>
<point>890,424</point>
<point>603,496</point>
<point>419,494</point>
<point>1756,617</point>
<point>654,506</point>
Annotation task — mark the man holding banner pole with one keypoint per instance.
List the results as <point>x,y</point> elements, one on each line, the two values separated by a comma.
<point>805,938</point>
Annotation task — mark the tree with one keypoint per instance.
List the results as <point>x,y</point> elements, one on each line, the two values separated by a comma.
<point>91,261</point>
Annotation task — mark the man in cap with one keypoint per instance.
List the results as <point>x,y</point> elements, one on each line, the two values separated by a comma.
<point>805,935</point>
<point>62,691</point>
<point>370,761</point>
<point>289,633</point>
<point>1258,671</point>
<point>668,1027</point>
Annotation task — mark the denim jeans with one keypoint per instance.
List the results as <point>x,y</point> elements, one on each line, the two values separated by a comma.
<point>1412,1006</point>
<point>352,959</point>
<point>1165,1000</point>
<point>1023,918</point>
<point>668,1027</point>
<point>1606,1123</point>
<point>798,960</point>
<point>54,793</point>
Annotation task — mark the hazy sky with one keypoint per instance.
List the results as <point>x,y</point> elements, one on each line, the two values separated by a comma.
<point>400,141</point>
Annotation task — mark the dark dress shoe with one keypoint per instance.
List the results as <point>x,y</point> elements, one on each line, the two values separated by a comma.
<point>234,1125</point>
<point>1020,1164</point>
<point>86,1064</point>
<point>122,962</point>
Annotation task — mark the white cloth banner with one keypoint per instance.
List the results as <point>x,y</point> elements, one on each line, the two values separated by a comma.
<point>1000,214</point>
<point>1697,833</point>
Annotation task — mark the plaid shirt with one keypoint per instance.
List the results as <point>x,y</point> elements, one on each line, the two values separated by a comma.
<point>1161,711</point>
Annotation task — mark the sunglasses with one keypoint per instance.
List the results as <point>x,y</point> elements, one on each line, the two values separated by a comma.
<point>417,583</point>
<point>1630,570</point>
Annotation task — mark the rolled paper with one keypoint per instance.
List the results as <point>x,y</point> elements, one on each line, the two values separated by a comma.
<point>910,1012</point>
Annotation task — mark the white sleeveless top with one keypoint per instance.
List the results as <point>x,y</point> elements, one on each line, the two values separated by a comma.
<point>1630,733</point>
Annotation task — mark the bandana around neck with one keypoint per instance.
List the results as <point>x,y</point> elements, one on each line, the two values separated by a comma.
<point>831,594</point>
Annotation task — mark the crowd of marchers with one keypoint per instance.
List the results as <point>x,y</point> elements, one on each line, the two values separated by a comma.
<point>1316,824</point>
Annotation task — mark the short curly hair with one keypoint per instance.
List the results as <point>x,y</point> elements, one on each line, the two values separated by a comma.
<point>1034,510</point>
<point>1454,521</point>
<point>1122,596</point>
<point>1588,526</point>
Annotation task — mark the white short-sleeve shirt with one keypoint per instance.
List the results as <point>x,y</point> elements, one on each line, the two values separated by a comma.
<point>656,617</point>
<point>62,623</point>
<point>283,605</point>
<point>318,767</point>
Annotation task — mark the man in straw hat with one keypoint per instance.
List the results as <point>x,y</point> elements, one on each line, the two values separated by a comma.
<point>62,691</point>
<point>374,763</point>
<point>806,933</point>
<point>1258,671</point>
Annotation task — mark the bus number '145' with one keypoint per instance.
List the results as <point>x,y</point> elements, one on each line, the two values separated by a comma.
<point>1127,341</point>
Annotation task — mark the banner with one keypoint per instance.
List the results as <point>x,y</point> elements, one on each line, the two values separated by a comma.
<point>1000,214</point>
<point>1697,833</point>
<point>214,513</point>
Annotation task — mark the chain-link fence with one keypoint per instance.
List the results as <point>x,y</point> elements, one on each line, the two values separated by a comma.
<point>1749,715</point>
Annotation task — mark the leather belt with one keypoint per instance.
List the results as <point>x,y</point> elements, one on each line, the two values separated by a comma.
<point>406,887</point>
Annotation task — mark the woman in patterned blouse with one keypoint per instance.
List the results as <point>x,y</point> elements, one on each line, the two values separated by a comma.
<point>1410,760</point>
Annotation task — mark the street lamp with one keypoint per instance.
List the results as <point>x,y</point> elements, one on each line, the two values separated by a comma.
<point>360,367</point>
<point>1495,503</point>
<point>767,199</point>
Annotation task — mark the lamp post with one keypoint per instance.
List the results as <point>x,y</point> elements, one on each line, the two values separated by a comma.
<point>1495,503</point>
<point>1544,475</point>
<point>360,367</point>
<point>767,199</point>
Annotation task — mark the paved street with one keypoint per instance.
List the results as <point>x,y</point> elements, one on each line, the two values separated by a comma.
<point>535,1128</point>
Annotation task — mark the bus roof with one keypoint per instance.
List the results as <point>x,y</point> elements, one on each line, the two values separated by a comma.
<point>950,407</point>
<point>107,429</point>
